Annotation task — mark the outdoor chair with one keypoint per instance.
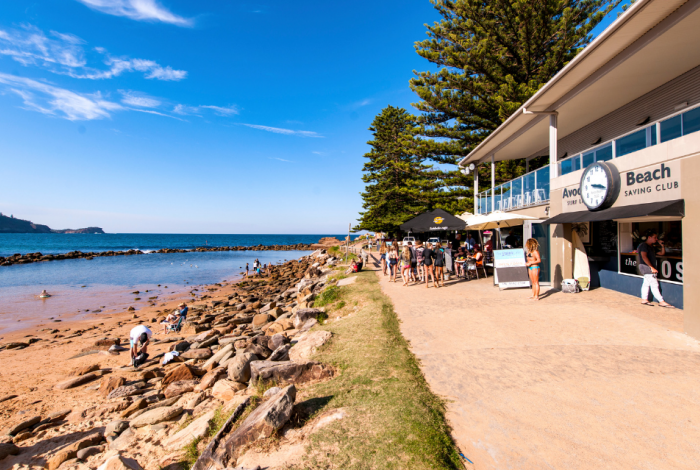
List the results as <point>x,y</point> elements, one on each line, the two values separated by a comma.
<point>177,326</point>
<point>470,271</point>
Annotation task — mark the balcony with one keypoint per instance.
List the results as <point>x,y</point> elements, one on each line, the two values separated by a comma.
<point>663,130</point>
<point>531,189</point>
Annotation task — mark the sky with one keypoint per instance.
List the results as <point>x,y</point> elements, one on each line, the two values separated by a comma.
<point>218,116</point>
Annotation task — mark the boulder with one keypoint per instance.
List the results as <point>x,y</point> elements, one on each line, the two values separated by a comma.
<point>258,349</point>
<point>179,373</point>
<point>260,424</point>
<point>138,404</point>
<point>210,378</point>
<point>275,312</point>
<point>71,451</point>
<point>239,367</point>
<point>307,346</point>
<point>116,427</point>
<point>181,387</point>
<point>271,391</point>
<point>267,307</point>
<point>302,315</point>
<point>119,462</point>
<point>196,429</point>
<point>76,381</point>
<point>281,353</point>
<point>124,441</point>
<point>259,320</point>
<point>25,424</point>
<point>157,415</point>
<point>84,370</point>
<point>275,342</point>
<point>286,323</point>
<point>273,329</point>
<point>124,391</point>
<point>201,353</point>
<point>226,389</point>
<point>84,454</point>
<point>58,415</point>
<point>181,347</point>
<point>22,436</point>
<point>8,449</point>
<point>219,356</point>
<point>109,384</point>
<point>288,372</point>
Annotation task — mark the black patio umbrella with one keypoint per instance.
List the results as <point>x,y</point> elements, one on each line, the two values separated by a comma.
<point>433,221</point>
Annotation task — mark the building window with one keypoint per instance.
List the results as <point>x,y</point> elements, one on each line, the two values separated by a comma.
<point>631,143</point>
<point>670,264</point>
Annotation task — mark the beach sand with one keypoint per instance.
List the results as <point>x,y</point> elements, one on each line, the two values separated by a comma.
<point>31,373</point>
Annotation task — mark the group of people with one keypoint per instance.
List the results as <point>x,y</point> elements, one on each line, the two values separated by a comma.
<point>420,263</point>
<point>257,267</point>
<point>417,263</point>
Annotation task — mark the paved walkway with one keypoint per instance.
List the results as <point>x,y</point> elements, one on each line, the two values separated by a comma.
<point>584,381</point>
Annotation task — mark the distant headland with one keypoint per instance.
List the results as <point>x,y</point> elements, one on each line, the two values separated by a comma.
<point>12,225</point>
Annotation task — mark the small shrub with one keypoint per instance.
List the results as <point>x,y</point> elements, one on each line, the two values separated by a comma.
<point>328,296</point>
<point>191,453</point>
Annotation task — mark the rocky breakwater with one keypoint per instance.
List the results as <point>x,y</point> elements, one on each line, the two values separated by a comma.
<point>39,257</point>
<point>206,381</point>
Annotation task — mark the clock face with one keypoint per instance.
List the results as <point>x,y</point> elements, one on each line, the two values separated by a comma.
<point>594,186</point>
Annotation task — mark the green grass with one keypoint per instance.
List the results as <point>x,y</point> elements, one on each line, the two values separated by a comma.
<point>394,420</point>
<point>328,296</point>
<point>191,453</point>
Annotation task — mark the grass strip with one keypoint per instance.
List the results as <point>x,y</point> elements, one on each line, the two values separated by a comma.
<point>394,420</point>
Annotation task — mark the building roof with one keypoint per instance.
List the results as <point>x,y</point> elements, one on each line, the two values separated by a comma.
<point>651,43</point>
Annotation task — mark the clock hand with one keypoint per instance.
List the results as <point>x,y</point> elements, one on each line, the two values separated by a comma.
<point>598,186</point>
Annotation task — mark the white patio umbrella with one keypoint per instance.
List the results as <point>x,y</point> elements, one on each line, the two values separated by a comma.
<point>497,219</point>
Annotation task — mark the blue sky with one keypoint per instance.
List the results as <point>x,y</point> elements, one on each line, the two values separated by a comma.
<point>197,117</point>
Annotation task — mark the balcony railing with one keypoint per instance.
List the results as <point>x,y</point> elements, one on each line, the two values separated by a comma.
<point>528,190</point>
<point>664,130</point>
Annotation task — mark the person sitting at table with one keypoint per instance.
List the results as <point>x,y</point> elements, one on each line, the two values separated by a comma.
<point>460,261</point>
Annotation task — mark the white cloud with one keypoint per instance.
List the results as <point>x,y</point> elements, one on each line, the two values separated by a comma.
<point>222,111</point>
<point>54,101</point>
<point>64,54</point>
<point>278,130</point>
<point>185,110</point>
<point>58,102</point>
<point>140,100</point>
<point>280,159</point>
<point>322,154</point>
<point>140,10</point>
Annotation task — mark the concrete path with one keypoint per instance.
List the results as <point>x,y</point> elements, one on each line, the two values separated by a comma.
<point>575,381</point>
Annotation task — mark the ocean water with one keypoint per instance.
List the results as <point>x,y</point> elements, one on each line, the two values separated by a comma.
<point>79,286</point>
<point>53,243</point>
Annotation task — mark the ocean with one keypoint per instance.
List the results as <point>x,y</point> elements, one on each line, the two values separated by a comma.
<point>80,286</point>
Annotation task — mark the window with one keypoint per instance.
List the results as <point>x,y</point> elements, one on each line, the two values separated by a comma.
<point>631,143</point>
<point>587,159</point>
<point>691,121</point>
<point>671,128</point>
<point>603,154</point>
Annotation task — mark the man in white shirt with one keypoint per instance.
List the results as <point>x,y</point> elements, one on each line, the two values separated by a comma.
<point>139,339</point>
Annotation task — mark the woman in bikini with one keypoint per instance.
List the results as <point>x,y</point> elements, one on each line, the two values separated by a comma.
<point>382,256</point>
<point>406,264</point>
<point>393,256</point>
<point>533,266</point>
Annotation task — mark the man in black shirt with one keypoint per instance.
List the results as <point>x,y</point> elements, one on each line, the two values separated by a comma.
<point>646,264</point>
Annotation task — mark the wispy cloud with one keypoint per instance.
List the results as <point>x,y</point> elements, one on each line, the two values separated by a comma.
<point>66,104</point>
<point>54,101</point>
<point>280,159</point>
<point>316,152</point>
<point>359,104</point>
<point>65,54</point>
<point>278,130</point>
<point>140,10</point>
<point>184,110</point>
<point>140,100</point>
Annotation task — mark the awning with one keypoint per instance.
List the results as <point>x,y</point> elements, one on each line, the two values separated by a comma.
<point>662,209</point>
<point>497,219</point>
<point>433,221</point>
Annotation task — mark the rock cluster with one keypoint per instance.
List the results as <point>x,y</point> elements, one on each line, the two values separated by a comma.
<point>39,257</point>
<point>260,333</point>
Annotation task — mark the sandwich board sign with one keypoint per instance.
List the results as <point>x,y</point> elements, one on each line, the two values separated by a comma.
<point>509,269</point>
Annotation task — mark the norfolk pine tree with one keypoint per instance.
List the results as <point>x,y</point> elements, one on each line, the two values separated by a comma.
<point>492,55</point>
<point>394,176</point>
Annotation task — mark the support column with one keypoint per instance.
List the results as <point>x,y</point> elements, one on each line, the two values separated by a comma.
<point>553,167</point>
<point>476,188</point>
<point>493,183</point>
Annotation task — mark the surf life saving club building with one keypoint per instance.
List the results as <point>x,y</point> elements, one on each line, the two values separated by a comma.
<point>620,125</point>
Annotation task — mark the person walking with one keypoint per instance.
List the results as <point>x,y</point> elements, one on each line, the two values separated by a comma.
<point>406,264</point>
<point>533,266</point>
<point>393,257</point>
<point>247,268</point>
<point>382,256</point>
<point>414,262</point>
<point>439,255</point>
<point>428,268</point>
<point>646,262</point>
<point>419,259</point>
